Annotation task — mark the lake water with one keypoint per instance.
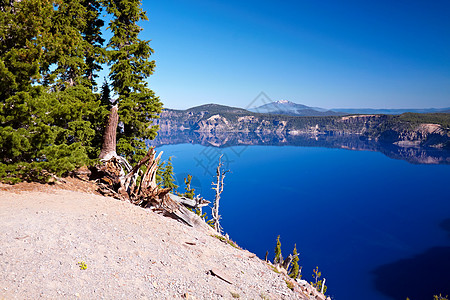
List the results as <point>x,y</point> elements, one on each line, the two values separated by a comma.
<point>378,228</point>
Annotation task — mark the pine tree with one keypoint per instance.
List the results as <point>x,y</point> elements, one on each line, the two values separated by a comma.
<point>190,192</point>
<point>295,267</point>
<point>22,32</point>
<point>51,121</point>
<point>167,175</point>
<point>41,131</point>
<point>51,131</point>
<point>95,54</point>
<point>105,97</point>
<point>66,47</point>
<point>278,257</point>
<point>130,66</point>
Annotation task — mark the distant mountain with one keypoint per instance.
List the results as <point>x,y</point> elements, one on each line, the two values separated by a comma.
<point>395,111</point>
<point>217,109</point>
<point>285,107</point>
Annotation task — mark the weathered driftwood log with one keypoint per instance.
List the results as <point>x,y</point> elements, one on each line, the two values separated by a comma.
<point>197,202</point>
<point>221,275</point>
<point>287,262</point>
<point>145,193</point>
<point>114,181</point>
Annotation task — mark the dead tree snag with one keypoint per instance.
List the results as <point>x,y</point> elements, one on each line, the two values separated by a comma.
<point>122,184</point>
<point>109,135</point>
<point>218,187</point>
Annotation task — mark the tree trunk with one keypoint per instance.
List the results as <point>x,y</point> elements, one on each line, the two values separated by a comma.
<point>218,187</point>
<point>287,262</point>
<point>114,181</point>
<point>323,286</point>
<point>109,136</point>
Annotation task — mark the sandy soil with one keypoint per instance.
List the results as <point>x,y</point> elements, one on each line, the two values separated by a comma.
<point>130,253</point>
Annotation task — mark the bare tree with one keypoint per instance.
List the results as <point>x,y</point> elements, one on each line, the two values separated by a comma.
<point>218,187</point>
<point>114,181</point>
<point>109,136</point>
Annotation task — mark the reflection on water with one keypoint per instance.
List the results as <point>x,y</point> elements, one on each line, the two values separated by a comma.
<point>349,212</point>
<point>419,277</point>
<point>415,155</point>
<point>445,225</point>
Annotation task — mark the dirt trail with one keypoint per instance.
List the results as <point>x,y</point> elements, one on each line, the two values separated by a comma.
<point>130,253</point>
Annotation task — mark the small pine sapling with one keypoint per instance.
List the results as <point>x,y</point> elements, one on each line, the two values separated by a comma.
<point>167,175</point>
<point>318,283</point>
<point>278,257</point>
<point>189,191</point>
<point>164,175</point>
<point>190,194</point>
<point>159,172</point>
<point>295,267</point>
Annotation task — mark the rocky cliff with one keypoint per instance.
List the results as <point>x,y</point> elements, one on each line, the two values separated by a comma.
<point>407,135</point>
<point>403,131</point>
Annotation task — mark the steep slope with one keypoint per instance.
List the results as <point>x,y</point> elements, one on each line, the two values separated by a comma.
<point>129,252</point>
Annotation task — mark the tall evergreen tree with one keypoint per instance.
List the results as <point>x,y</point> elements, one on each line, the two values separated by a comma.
<point>129,59</point>
<point>95,53</point>
<point>22,33</point>
<point>65,64</point>
<point>50,52</point>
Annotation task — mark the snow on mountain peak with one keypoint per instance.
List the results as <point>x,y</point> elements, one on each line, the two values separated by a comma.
<point>282,102</point>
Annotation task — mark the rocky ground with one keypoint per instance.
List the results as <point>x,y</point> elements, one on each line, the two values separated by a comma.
<point>49,233</point>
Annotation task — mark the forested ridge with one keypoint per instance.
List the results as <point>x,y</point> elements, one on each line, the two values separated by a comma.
<point>52,111</point>
<point>191,116</point>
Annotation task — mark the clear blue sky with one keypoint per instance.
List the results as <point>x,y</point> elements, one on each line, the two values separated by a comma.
<point>377,54</point>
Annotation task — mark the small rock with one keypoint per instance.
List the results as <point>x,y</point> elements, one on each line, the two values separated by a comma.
<point>301,282</point>
<point>188,296</point>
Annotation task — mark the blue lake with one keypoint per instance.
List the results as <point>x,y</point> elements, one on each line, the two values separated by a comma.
<point>378,228</point>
